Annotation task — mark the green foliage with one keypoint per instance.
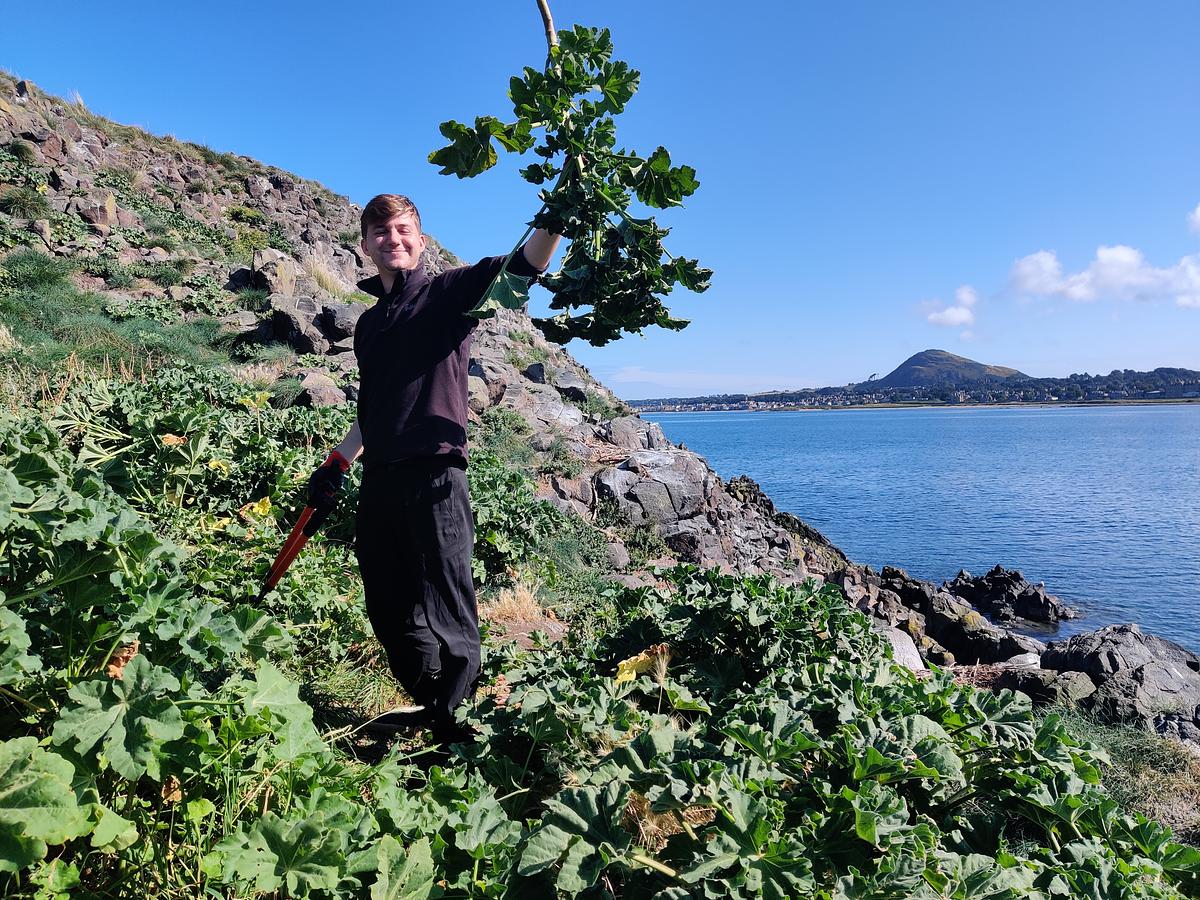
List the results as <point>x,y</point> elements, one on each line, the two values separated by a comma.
<point>350,238</point>
<point>30,270</point>
<point>24,203</point>
<point>601,408</point>
<point>523,356</point>
<point>253,299</point>
<point>38,806</point>
<point>644,543</point>
<point>21,151</point>
<point>504,433</point>
<point>67,227</point>
<point>204,237</point>
<point>245,215</point>
<point>713,736</point>
<point>510,523</point>
<point>18,167</point>
<point>12,235</point>
<point>559,459</point>
<point>54,321</point>
<point>616,270</point>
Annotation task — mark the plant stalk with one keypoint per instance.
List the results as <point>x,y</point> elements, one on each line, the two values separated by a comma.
<point>548,24</point>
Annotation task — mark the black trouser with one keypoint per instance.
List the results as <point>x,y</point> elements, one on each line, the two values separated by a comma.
<point>413,542</point>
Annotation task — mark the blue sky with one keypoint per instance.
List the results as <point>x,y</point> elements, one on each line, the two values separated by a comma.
<point>1014,182</point>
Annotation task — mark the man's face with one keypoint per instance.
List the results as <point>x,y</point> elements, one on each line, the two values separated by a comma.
<point>395,244</point>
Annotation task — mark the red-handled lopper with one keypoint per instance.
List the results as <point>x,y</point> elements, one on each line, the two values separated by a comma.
<point>311,519</point>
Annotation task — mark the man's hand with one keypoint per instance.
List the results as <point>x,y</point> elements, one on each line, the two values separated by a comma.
<point>326,482</point>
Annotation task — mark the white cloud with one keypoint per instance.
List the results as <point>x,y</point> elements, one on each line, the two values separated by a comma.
<point>962,313</point>
<point>952,317</point>
<point>1194,218</point>
<point>1116,273</point>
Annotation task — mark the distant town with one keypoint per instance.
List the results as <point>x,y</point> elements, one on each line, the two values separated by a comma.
<point>935,377</point>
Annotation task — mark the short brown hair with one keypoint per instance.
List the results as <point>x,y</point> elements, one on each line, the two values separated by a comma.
<point>383,207</point>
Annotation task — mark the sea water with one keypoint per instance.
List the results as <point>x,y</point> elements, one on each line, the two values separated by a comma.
<point>1100,503</point>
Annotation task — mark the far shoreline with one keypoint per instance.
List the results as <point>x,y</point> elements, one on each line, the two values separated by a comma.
<point>1067,404</point>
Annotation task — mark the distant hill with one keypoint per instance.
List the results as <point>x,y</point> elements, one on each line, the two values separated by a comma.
<point>939,367</point>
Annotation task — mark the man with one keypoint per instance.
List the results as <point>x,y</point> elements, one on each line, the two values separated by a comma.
<point>414,528</point>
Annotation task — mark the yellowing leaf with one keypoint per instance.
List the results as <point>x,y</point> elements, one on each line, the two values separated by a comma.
<point>173,440</point>
<point>646,661</point>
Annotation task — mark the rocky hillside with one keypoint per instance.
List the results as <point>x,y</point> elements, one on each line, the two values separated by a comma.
<point>157,224</point>
<point>941,367</point>
<point>166,230</point>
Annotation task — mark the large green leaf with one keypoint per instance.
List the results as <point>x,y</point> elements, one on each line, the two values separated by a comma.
<point>38,806</point>
<point>271,692</point>
<point>581,833</point>
<point>130,717</point>
<point>12,494</point>
<point>661,185</point>
<point>470,150</point>
<point>15,664</point>
<point>403,874</point>
<point>507,291</point>
<point>300,855</point>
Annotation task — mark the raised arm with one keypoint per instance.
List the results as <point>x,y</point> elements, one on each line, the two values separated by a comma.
<point>540,247</point>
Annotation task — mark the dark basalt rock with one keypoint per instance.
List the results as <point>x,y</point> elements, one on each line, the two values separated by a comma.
<point>1007,597</point>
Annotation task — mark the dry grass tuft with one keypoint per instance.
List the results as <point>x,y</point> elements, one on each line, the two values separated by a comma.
<point>326,280</point>
<point>981,675</point>
<point>654,829</point>
<point>515,604</point>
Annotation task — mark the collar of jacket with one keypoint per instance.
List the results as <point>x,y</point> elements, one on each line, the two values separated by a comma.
<point>405,278</point>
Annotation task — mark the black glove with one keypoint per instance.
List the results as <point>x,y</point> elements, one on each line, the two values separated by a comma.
<point>326,482</point>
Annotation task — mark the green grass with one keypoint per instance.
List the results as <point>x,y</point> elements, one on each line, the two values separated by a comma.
<point>24,203</point>
<point>54,320</point>
<point>559,460</point>
<point>349,238</point>
<point>1153,775</point>
<point>21,151</point>
<point>599,406</point>
<point>504,433</point>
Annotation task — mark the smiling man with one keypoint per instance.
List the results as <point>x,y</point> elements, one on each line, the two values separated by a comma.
<point>414,527</point>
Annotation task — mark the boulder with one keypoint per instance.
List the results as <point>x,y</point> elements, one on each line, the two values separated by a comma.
<point>478,398</point>
<point>293,320</point>
<point>274,271</point>
<point>1117,648</point>
<point>41,227</point>
<point>543,404</point>
<point>1140,678</point>
<point>1007,597</point>
<point>969,636</point>
<point>318,389</point>
<point>99,210</point>
<point>246,326</point>
<point>1149,693</point>
<point>618,556</point>
<point>1045,686</point>
<point>568,383</point>
<point>632,433</point>
<point>535,372</point>
<point>339,319</point>
<point>904,649</point>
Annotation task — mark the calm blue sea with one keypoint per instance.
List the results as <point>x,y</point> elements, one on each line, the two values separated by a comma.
<point>1100,503</point>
